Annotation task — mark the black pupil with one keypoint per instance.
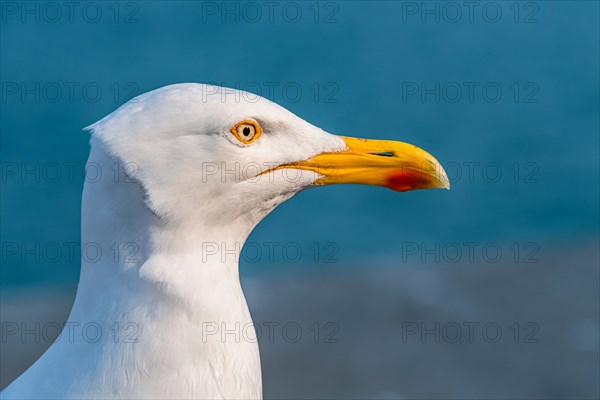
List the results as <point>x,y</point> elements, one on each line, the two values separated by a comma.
<point>246,131</point>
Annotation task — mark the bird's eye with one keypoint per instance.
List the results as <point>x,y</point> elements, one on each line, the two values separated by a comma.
<point>246,131</point>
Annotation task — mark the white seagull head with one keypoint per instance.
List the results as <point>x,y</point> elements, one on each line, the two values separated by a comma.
<point>195,147</point>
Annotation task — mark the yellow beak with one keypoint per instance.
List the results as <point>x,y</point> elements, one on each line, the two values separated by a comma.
<point>395,165</point>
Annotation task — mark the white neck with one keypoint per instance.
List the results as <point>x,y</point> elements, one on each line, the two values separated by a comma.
<point>167,298</point>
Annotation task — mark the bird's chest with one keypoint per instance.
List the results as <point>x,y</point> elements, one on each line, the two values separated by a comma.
<point>217,358</point>
<point>221,362</point>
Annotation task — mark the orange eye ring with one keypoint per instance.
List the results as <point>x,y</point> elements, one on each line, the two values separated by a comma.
<point>246,131</point>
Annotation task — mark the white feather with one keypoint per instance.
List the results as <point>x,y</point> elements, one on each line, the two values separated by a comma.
<point>158,192</point>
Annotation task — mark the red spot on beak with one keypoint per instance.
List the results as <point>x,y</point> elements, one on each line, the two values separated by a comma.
<point>405,180</point>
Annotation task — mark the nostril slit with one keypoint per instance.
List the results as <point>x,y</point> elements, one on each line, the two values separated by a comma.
<point>384,154</point>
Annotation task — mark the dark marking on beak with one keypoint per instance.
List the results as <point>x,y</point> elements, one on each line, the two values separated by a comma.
<point>384,154</point>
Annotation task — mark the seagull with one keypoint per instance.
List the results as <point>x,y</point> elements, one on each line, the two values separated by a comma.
<point>177,178</point>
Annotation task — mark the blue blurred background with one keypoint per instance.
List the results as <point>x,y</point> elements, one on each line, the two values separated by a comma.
<point>504,94</point>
